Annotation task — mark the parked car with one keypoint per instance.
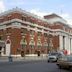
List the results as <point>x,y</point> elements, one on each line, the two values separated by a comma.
<point>65,62</point>
<point>54,56</point>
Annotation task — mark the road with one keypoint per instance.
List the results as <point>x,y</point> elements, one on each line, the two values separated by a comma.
<point>35,66</point>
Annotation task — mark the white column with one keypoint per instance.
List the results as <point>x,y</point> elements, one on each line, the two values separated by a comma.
<point>61,42</point>
<point>67,44</point>
<point>71,46</point>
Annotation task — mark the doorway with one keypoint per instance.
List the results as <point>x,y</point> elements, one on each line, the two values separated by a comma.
<point>0,50</point>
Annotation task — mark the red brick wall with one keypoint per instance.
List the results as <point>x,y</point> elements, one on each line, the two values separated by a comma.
<point>15,40</point>
<point>56,42</point>
<point>15,34</point>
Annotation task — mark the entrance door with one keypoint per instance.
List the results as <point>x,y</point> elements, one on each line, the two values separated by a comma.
<point>0,50</point>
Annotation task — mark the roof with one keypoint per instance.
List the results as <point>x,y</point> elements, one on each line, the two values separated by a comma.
<point>55,18</point>
<point>22,12</point>
<point>48,18</point>
<point>53,15</point>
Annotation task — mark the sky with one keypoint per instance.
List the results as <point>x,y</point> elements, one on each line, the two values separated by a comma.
<point>41,7</point>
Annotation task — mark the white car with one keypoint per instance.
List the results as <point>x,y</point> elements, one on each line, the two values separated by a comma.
<point>54,56</point>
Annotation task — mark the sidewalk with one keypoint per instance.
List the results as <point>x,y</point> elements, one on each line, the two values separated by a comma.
<point>26,58</point>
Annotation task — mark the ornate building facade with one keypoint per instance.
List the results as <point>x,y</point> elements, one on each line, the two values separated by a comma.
<point>29,33</point>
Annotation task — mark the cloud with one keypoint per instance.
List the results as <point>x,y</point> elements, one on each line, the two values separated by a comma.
<point>2,6</point>
<point>17,2</point>
<point>69,20</point>
<point>39,13</point>
<point>66,16</point>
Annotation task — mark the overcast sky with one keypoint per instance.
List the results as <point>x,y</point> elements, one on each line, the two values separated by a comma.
<point>41,7</point>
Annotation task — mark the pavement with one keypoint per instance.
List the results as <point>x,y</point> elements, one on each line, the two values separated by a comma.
<point>25,59</point>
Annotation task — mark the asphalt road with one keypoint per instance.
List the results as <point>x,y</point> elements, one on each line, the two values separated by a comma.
<point>35,66</point>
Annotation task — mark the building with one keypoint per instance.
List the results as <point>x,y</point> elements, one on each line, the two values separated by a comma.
<point>24,32</point>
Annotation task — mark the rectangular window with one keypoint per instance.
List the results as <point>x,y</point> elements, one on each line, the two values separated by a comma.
<point>24,19</point>
<point>0,37</point>
<point>23,30</point>
<point>45,34</point>
<point>8,30</point>
<point>32,46</point>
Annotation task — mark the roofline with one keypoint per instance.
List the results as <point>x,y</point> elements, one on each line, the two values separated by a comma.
<point>55,17</point>
<point>28,13</point>
<point>22,11</point>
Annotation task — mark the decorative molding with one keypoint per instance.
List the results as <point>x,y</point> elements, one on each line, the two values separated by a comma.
<point>19,10</point>
<point>2,26</point>
<point>56,19</point>
<point>28,23</point>
<point>16,25</point>
<point>23,41</point>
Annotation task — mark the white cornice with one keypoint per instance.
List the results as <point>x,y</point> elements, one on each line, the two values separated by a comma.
<point>19,10</point>
<point>18,20</point>
<point>56,19</point>
<point>7,22</point>
<point>28,23</point>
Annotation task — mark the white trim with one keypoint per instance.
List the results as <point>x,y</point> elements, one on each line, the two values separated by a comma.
<point>61,42</point>
<point>16,25</point>
<point>59,31</point>
<point>8,47</point>
<point>71,46</point>
<point>30,55</point>
<point>56,19</point>
<point>18,55</point>
<point>19,10</point>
